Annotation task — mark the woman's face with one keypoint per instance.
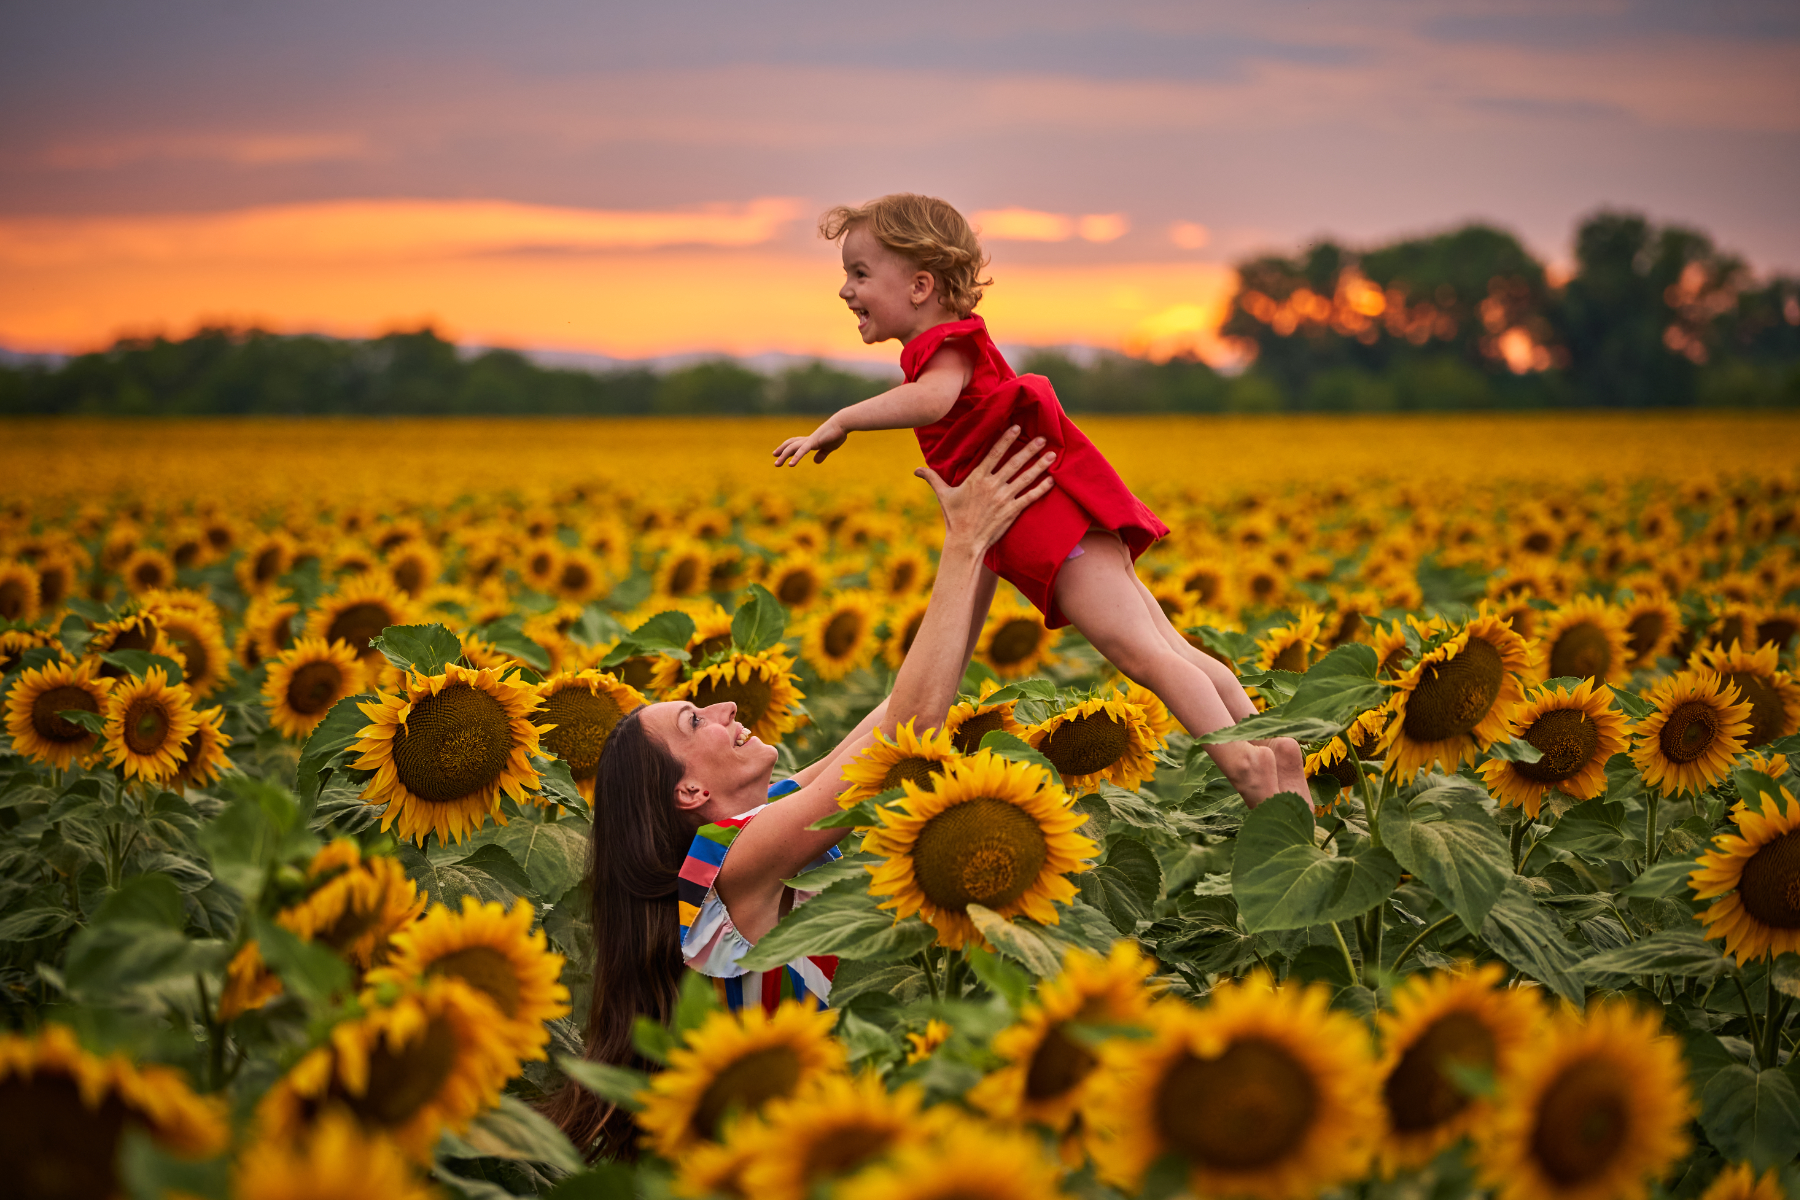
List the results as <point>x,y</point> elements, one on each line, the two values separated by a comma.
<point>715,750</point>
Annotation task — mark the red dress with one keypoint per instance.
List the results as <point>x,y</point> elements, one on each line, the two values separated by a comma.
<point>1088,492</point>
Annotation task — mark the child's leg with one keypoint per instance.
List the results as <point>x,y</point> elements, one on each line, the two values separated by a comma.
<point>1095,592</point>
<point>1290,761</point>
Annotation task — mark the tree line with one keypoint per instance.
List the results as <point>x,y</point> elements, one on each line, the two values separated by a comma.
<point>1651,316</point>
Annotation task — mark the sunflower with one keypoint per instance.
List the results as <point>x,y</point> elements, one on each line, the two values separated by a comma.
<point>903,627</point>
<point>1586,638</point>
<point>732,1066</point>
<point>1291,647</point>
<point>1652,623</point>
<point>992,832</point>
<point>357,612</point>
<point>203,753</point>
<point>57,576</point>
<point>970,720</point>
<point>1207,584</point>
<point>840,636</point>
<point>1333,758</point>
<point>713,1169</point>
<point>1698,728</point>
<point>431,1058</point>
<point>38,696</point>
<point>1447,1019</point>
<point>1741,1182</point>
<point>1576,730</point>
<point>413,567</point>
<point>761,685</point>
<point>67,1111</point>
<point>139,631</point>
<point>685,570</point>
<point>1047,1068</point>
<point>494,951</point>
<point>712,635</point>
<point>266,559</point>
<point>1772,765</point>
<point>1598,1107</point>
<point>1392,655</point>
<point>581,709</point>
<point>1452,703</point>
<point>249,984</point>
<point>1352,618</point>
<point>15,642</point>
<point>831,1130</point>
<point>796,580</point>
<point>304,682</point>
<point>1267,1092</point>
<point>1107,737</point>
<point>445,748</point>
<point>905,571</point>
<point>908,755</point>
<point>332,1157</point>
<point>922,1045</point>
<point>19,593</point>
<point>147,570</point>
<point>268,628</point>
<point>1759,864</point>
<point>147,721</point>
<point>205,662</point>
<point>968,1160</point>
<point>1773,696</point>
<point>1015,641</point>
<point>1775,626</point>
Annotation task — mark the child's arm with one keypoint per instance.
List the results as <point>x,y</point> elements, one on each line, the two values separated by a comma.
<point>906,407</point>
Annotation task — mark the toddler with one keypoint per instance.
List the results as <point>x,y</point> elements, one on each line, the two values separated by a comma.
<point>912,270</point>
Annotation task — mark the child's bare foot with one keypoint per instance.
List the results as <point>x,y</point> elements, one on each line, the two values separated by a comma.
<point>1251,769</point>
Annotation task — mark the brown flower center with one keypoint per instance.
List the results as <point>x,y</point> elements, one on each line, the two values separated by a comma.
<point>1453,697</point>
<point>744,1087</point>
<point>583,720</point>
<point>13,599</point>
<point>409,575</point>
<point>1646,630</point>
<point>486,970</point>
<point>1581,650</point>
<point>968,735</point>
<point>1568,740</point>
<point>1246,1109</point>
<point>52,728</point>
<point>1766,710</point>
<point>1060,1063</point>
<point>1015,642</point>
<point>404,1080</point>
<point>146,725</point>
<point>753,696</point>
<point>982,851</point>
<point>315,687</point>
<point>1420,1092</point>
<point>1769,888</point>
<point>1292,657</point>
<point>1689,732</point>
<point>921,771</point>
<point>843,1149</point>
<point>1087,744</point>
<point>54,1145</point>
<point>842,633</point>
<point>685,579</point>
<point>1582,1122</point>
<point>357,624</point>
<point>797,588</point>
<point>454,744</point>
<point>268,565</point>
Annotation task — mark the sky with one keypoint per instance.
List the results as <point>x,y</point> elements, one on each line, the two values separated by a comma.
<point>643,180</point>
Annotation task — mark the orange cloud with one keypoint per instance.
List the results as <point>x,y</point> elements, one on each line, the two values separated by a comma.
<point>636,285</point>
<point>1034,225</point>
<point>362,230</point>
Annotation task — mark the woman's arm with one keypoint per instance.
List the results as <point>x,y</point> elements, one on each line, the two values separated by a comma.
<point>778,844</point>
<point>905,407</point>
<point>864,728</point>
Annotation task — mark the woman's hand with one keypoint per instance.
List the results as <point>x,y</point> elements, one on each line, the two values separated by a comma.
<point>979,511</point>
<point>820,442</point>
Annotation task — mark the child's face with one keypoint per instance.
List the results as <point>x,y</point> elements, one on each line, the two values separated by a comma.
<point>883,289</point>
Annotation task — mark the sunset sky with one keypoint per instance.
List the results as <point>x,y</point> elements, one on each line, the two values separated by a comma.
<point>644,180</point>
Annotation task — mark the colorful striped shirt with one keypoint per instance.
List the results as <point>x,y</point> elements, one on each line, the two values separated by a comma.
<point>712,945</point>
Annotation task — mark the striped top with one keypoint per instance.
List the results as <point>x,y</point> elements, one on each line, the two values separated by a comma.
<point>712,945</point>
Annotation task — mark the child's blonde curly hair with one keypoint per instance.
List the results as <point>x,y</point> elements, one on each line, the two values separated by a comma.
<point>926,231</point>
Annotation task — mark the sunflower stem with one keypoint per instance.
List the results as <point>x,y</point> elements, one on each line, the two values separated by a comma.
<point>1349,959</point>
<point>1650,828</point>
<point>1518,840</point>
<point>1749,1015</point>
<point>1371,798</point>
<point>930,973</point>
<point>1377,922</point>
<point>1773,1024</point>
<point>1406,951</point>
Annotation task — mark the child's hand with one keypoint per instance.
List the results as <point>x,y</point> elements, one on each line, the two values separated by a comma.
<point>820,442</point>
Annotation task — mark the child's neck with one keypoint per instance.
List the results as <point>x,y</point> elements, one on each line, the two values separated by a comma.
<point>929,316</point>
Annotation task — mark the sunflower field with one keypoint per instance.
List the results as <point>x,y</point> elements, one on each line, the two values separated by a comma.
<point>296,787</point>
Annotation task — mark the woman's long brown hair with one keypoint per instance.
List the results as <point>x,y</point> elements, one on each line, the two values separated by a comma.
<point>639,843</point>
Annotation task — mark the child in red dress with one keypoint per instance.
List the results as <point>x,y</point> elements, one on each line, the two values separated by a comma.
<point>911,267</point>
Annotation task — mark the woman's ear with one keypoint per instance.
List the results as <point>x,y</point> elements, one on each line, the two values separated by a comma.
<point>689,795</point>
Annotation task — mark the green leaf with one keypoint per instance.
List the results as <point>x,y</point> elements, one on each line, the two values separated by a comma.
<point>843,920</point>
<point>516,1131</point>
<point>1021,943</point>
<point>1752,786</point>
<point>1133,808</point>
<point>307,969</point>
<point>596,627</point>
<point>1011,746</point>
<point>446,883</point>
<point>1594,828</point>
<point>1276,723</point>
<point>33,923</point>
<point>558,783</point>
<point>615,1085</point>
<point>93,722</point>
<point>602,1181</point>
<point>1515,751</point>
<point>1453,846</point>
<point>427,649</point>
<point>667,633</point>
<point>508,636</point>
<point>1024,689</point>
<point>1633,705</point>
<point>496,861</point>
<point>849,866</point>
<point>864,814</point>
<point>1527,936</point>
<point>1333,693</point>
<point>258,828</point>
<point>1751,1115</point>
<point>865,1042</point>
<point>1281,880</point>
<point>139,662</point>
<point>1001,977</point>
<point>330,738</point>
<point>699,999</point>
<point>654,1040</point>
<point>149,1172</point>
<point>105,961</point>
<point>1784,974</point>
<point>554,856</point>
<point>145,900</point>
<point>1664,879</point>
<point>1126,886</point>
<point>1679,952</point>
<point>760,621</point>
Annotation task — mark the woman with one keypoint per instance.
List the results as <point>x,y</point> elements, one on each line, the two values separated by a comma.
<point>671,769</point>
